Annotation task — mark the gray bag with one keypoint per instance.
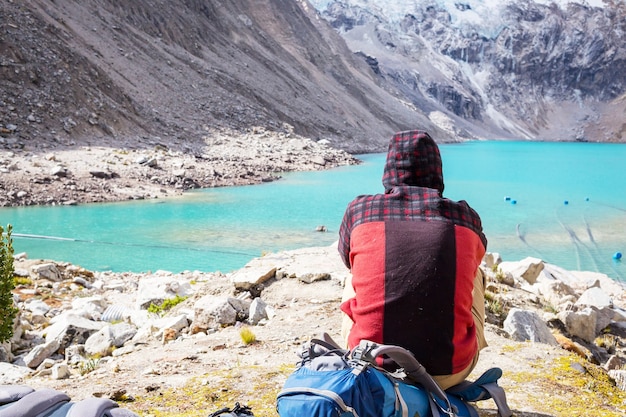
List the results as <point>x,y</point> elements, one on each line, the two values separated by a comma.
<point>24,401</point>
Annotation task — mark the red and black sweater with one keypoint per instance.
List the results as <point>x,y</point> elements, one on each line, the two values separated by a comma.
<point>413,256</point>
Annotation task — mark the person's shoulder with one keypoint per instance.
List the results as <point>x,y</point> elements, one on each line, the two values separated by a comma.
<point>462,206</point>
<point>466,205</point>
<point>365,197</point>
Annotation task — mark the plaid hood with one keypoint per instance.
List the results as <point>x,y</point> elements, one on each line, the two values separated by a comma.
<point>413,159</point>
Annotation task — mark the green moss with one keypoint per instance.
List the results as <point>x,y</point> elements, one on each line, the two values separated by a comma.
<point>566,387</point>
<point>562,387</point>
<point>166,305</point>
<point>254,386</point>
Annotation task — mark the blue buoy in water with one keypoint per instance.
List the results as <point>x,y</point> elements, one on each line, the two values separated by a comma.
<point>513,201</point>
<point>566,202</point>
<point>617,255</point>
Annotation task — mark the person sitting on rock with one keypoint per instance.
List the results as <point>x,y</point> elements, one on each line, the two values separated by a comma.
<point>414,258</point>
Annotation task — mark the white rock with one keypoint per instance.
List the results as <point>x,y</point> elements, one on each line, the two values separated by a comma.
<point>89,307</point>
<point>524,325</point>
<point>555,292</point>
<point>39,353</point>
<point>60,371</point>
<point>580,323</point>
<point>155,289</point>
<point>257,311</point>
<point>36,306</point>
<point>527,269</point>
<point>47,271</point>
<point>595,297</point>
<point>214,312</point>
<point>12,374</point>
<point>71,329</point>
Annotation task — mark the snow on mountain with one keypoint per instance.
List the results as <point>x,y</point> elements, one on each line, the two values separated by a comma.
<point>522,69</point>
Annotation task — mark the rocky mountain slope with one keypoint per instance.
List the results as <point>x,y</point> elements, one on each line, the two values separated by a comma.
<point>549,70</point>
<point>101,71</point>
<point>98,71</point>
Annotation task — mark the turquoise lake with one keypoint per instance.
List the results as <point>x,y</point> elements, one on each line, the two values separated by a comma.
<point>562,202</point>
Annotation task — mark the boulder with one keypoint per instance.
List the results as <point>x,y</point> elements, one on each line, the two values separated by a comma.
<point>102,342</point>
<point>69,329</point>
<point>157,288</point>
<point>60,371</point>
<point>555,292</point>
<point>241,306</point>
<point>527,269</point>
<point>39,353</point>
<point>47,271</point>
<point>581,323</point>
<point>257,311</point>
<point>492,259</point>
<point>254,273</point>
<point>12,374</point>
<point>213,312</point>
<point>595,297</point>
<point>313,277</point>
<point>89,307</point>
<point>524,325</point>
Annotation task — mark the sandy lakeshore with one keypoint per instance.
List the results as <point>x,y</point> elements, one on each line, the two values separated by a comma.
<point>67,174</point>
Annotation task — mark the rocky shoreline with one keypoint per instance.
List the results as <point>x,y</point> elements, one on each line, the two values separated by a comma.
<point>559,336</point>
<point>90,333</point>
<point>68,173</point>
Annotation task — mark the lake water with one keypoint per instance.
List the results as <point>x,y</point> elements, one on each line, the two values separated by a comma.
<point>561,202</point>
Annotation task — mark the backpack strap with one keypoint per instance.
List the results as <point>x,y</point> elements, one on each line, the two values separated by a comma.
<point>368,351</point>
<point>485,387</point>
<point>237,411</point>
<point>316,348</point>
<point>326,338</point>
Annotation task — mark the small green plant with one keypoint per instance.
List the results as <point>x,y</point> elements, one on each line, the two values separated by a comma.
<point>25,281</point>
<point>495,307</point>
<point>498,274</point>
<point>87,366</point>
<point>247,335</point>
<point>8,311</point>
<point>166,305</point>
<point>550,308</point>
<point>607,341</point>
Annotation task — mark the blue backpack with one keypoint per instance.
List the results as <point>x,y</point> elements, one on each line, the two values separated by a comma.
<point>334,382</point>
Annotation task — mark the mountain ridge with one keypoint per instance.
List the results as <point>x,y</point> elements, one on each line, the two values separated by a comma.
<point>103,72</point>
<point>106,69</point>
<point>530,70</point>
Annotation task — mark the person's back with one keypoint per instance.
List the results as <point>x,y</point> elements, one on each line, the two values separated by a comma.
<point>414,258</point>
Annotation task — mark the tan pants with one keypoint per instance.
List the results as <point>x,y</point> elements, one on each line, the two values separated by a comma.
<point>478,311</point>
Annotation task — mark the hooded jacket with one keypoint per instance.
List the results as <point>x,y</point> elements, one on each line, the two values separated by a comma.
<point>413,256</point>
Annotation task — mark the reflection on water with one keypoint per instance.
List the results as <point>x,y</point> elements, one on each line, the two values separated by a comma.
<point>568,211</point>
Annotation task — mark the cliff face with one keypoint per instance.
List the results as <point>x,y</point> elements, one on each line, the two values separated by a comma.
<point>175,72</point>
<point>531,69</point>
